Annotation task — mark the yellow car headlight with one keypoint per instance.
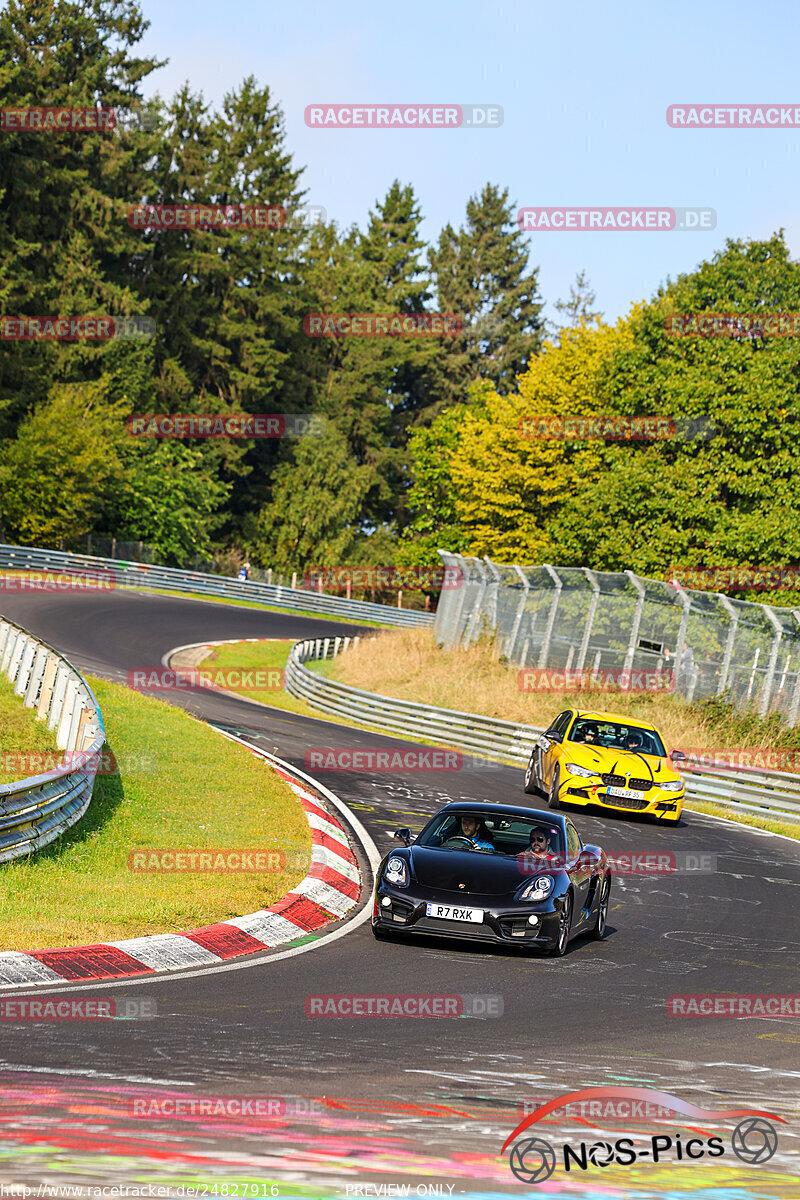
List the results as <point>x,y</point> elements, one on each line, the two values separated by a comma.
<point>576,770</point>
<point>674,786</point>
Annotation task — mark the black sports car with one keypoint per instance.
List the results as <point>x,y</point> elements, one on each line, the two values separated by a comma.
<point>496,873</point>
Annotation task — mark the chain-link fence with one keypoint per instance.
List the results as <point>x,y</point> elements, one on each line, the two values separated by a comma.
<point>575,620</point>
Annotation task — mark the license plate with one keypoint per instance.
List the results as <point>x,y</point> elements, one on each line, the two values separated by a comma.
<point>450,912</point>
<point>626,792</point>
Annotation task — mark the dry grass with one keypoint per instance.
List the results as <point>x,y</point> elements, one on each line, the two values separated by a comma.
<point>410,666</point>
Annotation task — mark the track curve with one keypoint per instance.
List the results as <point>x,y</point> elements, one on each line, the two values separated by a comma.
<point>569,1023</point>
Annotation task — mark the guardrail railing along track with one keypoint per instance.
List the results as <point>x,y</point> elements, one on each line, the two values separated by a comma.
<point>764,793</point>
<point>36,810</point>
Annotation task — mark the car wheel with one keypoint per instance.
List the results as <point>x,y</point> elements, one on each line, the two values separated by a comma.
<point>530,785</point>
<point>599,931</point>
<point>564,926</point>
<point>552,797</point>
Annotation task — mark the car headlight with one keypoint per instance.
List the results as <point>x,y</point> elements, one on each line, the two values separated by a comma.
<point>396,872</point>
<point>538,889</point>
<point>674,786</point>
<point>576,770</point>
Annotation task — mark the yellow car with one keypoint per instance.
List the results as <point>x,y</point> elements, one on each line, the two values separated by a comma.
<point>605,759</point>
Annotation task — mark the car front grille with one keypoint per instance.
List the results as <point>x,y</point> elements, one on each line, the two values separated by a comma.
<point>614,780</point>
<point>626,802</point>
<point>641,785</point>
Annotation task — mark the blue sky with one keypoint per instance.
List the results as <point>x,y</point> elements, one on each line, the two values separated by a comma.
<point>584,88</point>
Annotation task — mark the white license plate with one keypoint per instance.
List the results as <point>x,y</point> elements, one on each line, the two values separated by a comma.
<point>626,792</point>
<point>450,912</point>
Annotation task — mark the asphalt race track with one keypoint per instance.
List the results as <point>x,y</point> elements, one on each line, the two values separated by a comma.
<point>420,1101</point>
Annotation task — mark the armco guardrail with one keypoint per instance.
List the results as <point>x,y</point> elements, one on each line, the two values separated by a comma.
<point>765,793</point>
<point>109,573</point>
<point>37,810</point>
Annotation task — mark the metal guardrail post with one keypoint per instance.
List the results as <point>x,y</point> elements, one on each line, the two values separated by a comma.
<point>512,637</point>
<point>766,692</point>
<point>470,632</point>
<point>637,621</point>
<point>794,706</point>
<point>551,616</point>
<point>494,589</point>
<point>587,629</point>
<point>729,641</point>
<point>687,604</point>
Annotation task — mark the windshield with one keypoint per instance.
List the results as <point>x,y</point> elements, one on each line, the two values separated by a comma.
<point>491,833</point>
<point>613,735</point>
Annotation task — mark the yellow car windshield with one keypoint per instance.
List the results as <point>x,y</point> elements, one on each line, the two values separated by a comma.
<point>611,735</point>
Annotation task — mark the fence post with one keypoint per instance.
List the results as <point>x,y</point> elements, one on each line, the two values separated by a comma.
<point>587,629</point>
<point>687,604</point>
<point>794,707</point>
<point>769,678</point>
<point>512,637</point>
<point>637,621</point>
<point>294,579</point>
<point>551,616</point>
<point>728,654</point>
<point>470,631</point>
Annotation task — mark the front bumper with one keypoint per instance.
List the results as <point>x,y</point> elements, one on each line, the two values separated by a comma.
<point>505,922</point>
<point>666,806</point>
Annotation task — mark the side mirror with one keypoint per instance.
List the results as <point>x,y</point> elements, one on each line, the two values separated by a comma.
<point>403,835</point>
<point>677,755</point>
<point>554,737</point>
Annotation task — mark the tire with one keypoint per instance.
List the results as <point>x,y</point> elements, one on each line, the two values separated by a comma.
<point>599,931</point>
<point>552,796</point>
<point>530,787</point>
<point>564,926</point>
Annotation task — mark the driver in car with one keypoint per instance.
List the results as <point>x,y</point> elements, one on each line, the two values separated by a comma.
<point>475,830</point>
<point>590,734</point>
<point>633,741</point>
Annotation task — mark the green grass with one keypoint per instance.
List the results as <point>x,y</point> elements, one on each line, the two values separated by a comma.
<point>180,786</point>
<point>264,656</point>
<point>22,735</point>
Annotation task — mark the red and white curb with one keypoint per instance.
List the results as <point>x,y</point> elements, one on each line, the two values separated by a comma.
<point>329,891</point>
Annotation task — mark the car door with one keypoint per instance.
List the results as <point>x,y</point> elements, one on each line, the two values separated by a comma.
<point>548,746</point>
<point>579,867</point>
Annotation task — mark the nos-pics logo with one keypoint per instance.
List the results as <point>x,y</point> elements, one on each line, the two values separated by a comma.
<point>533,1160</point>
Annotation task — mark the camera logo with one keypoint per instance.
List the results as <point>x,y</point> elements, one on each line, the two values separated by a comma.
<point>533,1161</point>
<point>754,1140</point>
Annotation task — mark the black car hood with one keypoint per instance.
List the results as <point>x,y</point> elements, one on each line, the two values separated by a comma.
<point>483,874</point>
